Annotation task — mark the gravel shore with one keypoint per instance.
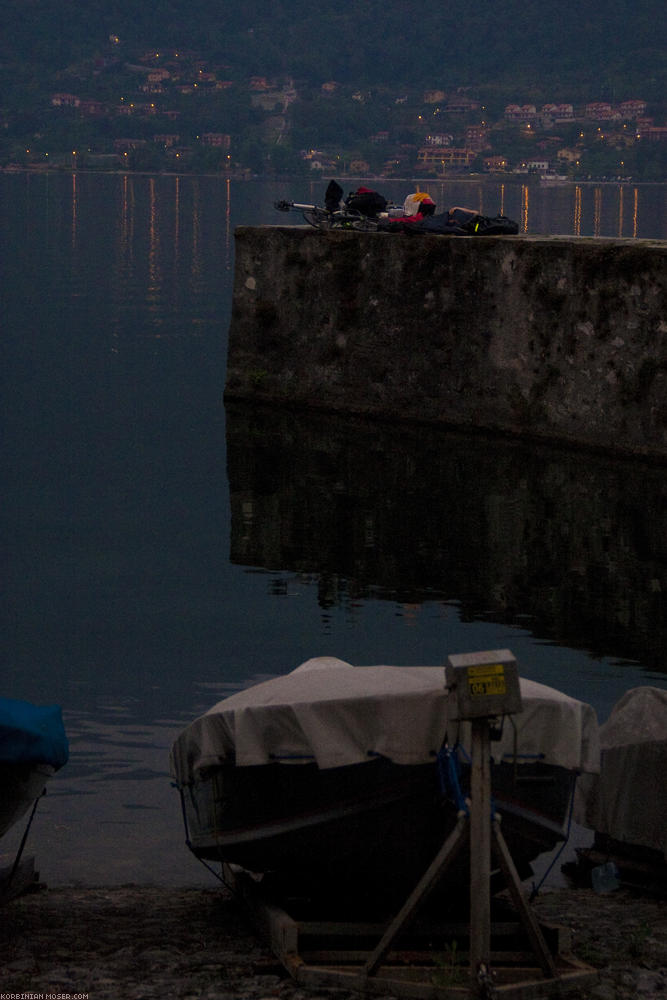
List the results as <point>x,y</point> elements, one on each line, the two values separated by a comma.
<point>139,943</point>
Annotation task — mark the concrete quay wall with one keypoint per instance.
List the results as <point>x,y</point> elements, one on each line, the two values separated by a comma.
<point>558,338</point>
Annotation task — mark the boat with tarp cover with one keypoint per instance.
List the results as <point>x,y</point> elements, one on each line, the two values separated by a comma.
<point>625,804</point>
<point>33,746</point>
<point>341,779</point>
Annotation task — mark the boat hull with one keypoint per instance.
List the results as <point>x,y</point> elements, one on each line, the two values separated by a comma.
<point>20,786</point>
<point>367,828</point>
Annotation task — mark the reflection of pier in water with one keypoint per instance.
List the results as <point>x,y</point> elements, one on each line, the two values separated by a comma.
<point>571,544</point>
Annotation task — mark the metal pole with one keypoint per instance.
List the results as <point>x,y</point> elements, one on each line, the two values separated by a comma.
<point>480,849</point>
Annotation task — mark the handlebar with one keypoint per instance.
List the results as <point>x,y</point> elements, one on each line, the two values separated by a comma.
<point>285,206</point>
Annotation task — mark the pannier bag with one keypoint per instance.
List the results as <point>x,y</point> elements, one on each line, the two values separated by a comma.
<point>366,202</point>
<point>333,197</point>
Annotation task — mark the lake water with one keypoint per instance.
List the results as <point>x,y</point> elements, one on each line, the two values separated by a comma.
<point>162,551</point>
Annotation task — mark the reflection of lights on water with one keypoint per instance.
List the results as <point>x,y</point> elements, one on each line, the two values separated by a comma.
<point>597,210</point>
<point>153,213</point>
<point>228,223</point>
<point>196,264</point>
<point>576,222</point>
<point>409,613</point>
<point>177,217</point>
<point>74,209</point>
<point>524,207</point>
<point>154,282</point>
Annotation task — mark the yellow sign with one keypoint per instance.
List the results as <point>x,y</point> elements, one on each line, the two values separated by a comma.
<point>486,680</point>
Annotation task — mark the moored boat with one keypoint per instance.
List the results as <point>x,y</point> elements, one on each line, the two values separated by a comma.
<point>33,745</point>
<point>347,779</point>
<point>626,804</point>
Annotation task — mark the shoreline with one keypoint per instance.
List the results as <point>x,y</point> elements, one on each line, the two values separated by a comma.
<point>141,942</point>
<point>352,178</point>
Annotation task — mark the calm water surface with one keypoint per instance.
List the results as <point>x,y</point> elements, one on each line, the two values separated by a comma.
<point>161,552</point>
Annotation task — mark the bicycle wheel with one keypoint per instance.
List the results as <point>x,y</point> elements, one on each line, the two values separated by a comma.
<point>365,225</point>
<point>318,217</point>
<point>349,219</point>
<point>344,219</point>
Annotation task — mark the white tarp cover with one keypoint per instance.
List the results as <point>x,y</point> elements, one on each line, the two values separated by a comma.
<point>337,714</point>
<point>628,800</point>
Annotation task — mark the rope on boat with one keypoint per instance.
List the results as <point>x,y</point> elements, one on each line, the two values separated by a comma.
<point>450,778</point>
<point>536,888</point>
<point>17,860</point>
<point>188,842</point>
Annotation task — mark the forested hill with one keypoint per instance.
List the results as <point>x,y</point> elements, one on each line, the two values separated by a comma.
<point>569,49</point>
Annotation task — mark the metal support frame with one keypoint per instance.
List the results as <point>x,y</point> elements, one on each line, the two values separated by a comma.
<point>484,835</point>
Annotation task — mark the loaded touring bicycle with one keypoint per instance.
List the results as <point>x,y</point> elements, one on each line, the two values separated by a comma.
<point>369,211</point>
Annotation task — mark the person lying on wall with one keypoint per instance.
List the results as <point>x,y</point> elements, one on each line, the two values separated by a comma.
<point>416,206</point>
<point>456,221</point>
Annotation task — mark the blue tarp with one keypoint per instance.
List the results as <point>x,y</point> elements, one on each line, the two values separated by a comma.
<point>32,734</point>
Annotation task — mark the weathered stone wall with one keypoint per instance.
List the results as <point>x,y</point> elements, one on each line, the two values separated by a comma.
<point>558,338</point>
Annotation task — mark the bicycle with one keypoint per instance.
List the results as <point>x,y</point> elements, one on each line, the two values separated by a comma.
<point>325,218</point>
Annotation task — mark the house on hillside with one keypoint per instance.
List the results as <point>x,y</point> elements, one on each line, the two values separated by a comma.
<point>524,114</point>
<point>441,158</point>
<point>274,99</point>
<point>557,113</point>
<point>632,109</point>
<point>125,145</point>
<point>152,86</point>
<point>477,137</point>
<point>220,140</point>
<point>318,160</point>
<point>569,155</point>
<point>65,100</point>
<point>654,133</point>
<point>439,139</point>
<point>459,104</point>
<point>495,164</point>
<point>537,166</point>
<point>93,109</point>
<point>167,140</point>
<point>600,111</point>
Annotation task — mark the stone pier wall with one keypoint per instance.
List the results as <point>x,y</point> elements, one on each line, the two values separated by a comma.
<point>558,338</point>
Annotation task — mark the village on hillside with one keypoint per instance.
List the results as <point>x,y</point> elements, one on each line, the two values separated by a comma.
<point>177,113</point>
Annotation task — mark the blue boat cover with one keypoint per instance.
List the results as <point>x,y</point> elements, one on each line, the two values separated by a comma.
<point>32,734</point>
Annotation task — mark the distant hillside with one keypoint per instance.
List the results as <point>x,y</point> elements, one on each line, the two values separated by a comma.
<point>570,49</point>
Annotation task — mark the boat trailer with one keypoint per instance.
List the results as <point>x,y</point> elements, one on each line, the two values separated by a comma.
<point>416,955</point>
